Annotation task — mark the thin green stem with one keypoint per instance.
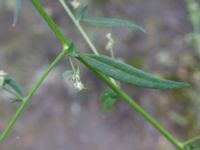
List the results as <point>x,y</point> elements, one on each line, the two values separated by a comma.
<point>192,140</point>
<point>112,53</point>
<point>72,65</point>
<point>50,23</point>
<point>136,107</point>
<point>65,43</point>
<point>30,94</point>
<point>77,24</point>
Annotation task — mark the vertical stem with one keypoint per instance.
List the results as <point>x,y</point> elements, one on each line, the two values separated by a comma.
<point>112,53</point>
<point>77,24</point>
<point>30,94</point>
<point>72,65</point>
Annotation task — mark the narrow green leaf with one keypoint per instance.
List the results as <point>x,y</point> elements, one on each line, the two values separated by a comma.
<point>108,100</point>
<point>111,22</point>
<point>81,14</point>
<point>17,11</point>
<point>14,85</point>
<point>128,74</point>
<point>15,96</point>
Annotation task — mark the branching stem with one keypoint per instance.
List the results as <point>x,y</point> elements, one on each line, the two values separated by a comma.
<point>30,94</point>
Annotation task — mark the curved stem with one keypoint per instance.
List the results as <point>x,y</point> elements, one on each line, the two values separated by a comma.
<point>30,94</point>
<point>136,107</point>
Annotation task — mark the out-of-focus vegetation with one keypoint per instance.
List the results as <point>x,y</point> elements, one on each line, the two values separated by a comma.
<point>193,39</point>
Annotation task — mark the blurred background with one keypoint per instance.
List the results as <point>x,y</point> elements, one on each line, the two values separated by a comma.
<point>60,118</point>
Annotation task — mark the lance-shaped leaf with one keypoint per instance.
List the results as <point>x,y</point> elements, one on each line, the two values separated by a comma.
<point>17,11</point>
<point>111,22</point>
<point>128,74</point>
<point>108,100</point>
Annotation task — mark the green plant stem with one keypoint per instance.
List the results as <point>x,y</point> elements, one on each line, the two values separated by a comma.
<point>50,23</point>
<point>192,140</point>
<point>30,94</point>
<point>136,107</point>
<point>112,53</point>
<point>72,65</point>
<point>77,24</point>
<point>65,43</point>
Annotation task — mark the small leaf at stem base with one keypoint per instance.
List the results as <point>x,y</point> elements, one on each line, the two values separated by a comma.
<point>107,101</point>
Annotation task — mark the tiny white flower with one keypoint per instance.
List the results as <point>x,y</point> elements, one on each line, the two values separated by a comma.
<point>75,4</point>
<point>76,75</point>
<point>110,43</point>
<point>79,85</point>
<point>3,73</point>
<point>109,35</point>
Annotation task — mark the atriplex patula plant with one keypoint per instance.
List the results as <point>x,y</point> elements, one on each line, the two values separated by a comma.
<point>108,69</point>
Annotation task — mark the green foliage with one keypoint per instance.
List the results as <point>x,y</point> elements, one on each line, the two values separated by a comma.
<point>193,39</point>
<point>11,83</point>
<point>14,85</point>
<point>17,11</point>
<point>128,74</point>
<point>105,67</point>
<point>108,100</point>
<point>111,22</point>
<point>11,86</point>
<point>107,22</point>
